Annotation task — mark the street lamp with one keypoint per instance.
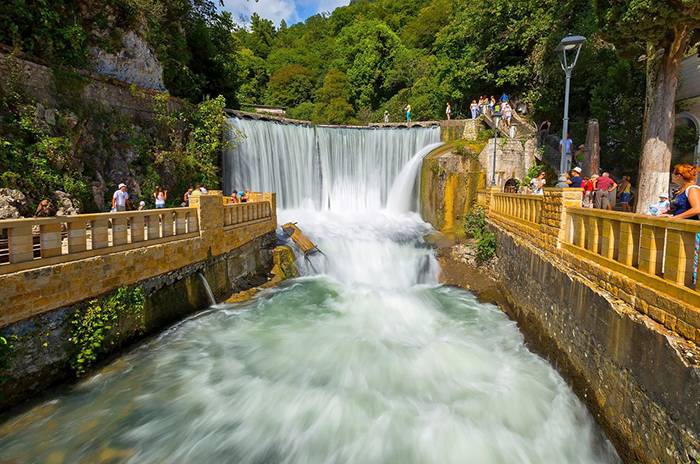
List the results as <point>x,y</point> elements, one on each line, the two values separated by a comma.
<point>496,120</point>
<point>569,44</point>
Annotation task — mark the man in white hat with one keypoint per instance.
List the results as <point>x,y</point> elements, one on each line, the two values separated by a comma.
<point>576,179</point>
<point>120,198</point>
<point>661,207</point>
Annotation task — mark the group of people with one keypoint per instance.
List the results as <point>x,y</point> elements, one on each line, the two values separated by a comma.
<point>240,196</point>
<point>603,192</point>
<point>121,199</point>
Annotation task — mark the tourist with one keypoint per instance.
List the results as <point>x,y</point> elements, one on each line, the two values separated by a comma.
<point>186,197</point>
<point>407,109</point>
<point>492,104</point>
<point>507,113</point>
<point>160,196</point>
<point>537,184</point>
<point>234,196</point>
<point>448,111</point>
<point>474,108</point>
<point>203,190</point>
<point>603,193</point>
<point>588,189</point>
<point>485,105</point>
<point>120,198</point>
<point>576,179</point>
<point>44,209</point>
<point>504,97</point>
<point>568,150</point>
<point>386,117</point>
<point>686,202</point>
<point>563,181</point>
<point>625,193</point>
<point>661,207</point>
<point>142,206</point>
<point>244,196</point>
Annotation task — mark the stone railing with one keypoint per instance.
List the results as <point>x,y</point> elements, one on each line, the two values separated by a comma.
<point>55,262</point>
<point>242,213</point>
<point>645,261</point>
<point>37,242</point>
<point>657,251</point>
<point>525,208</point>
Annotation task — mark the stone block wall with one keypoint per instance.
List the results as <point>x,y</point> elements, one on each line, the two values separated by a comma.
<point>641,382</point>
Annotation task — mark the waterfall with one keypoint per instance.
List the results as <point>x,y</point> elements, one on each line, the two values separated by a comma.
<point>321,168</point>
<point>400,194</point>
<point>207,289</point>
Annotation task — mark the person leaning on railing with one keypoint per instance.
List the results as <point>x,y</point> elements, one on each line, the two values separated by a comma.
<point>686,202</point>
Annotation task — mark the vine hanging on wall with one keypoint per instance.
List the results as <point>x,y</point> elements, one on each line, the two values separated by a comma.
<point>99,324</point>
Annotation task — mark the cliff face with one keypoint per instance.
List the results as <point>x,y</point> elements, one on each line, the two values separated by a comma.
<point>135,63</point>
<point>83,134</point>
<point>449,182</point>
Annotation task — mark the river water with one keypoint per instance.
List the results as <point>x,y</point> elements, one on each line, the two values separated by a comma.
<point>364,359</point>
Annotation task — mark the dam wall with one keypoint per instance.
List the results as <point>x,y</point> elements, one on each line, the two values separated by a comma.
<point>78,289</point>
<point>607,298</point>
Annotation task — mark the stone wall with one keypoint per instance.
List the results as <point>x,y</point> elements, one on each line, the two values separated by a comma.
<point>513,159</point>
<point>42,349</point>
<point>40,304</point>
<point>449,183</point>
<point>636,377</point>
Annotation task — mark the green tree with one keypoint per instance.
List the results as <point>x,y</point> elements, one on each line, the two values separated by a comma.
<point>661,33</point>
<point>290,85</point>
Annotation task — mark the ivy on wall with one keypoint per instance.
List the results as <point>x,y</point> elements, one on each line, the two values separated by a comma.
<point>97,326</point>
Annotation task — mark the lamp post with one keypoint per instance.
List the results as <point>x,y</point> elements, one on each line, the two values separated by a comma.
<point>496,120</point>
<point>569,44</point>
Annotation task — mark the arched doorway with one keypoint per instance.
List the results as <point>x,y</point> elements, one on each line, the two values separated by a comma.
<point>686,139</point>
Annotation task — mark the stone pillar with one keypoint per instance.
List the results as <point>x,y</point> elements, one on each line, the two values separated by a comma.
<point>210,209</point>
<point>554,221</point>
<point>272,198</point>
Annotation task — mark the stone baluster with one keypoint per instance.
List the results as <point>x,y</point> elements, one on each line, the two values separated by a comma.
<point>592,233</point>
<point>20,243</point>
<point>579,231</point>
<point>76,236</point>
<point>628,246</point>
<point>680,254</point>
<point>167,224</point>
<point>137,229</point>
<point>153,226</point>
<point>50,240</point>
<point>119,231</point>
<point>180,222</point>
<point>651,250</point>
<point>192,223</point>
<point>100,233</point>
<point>610,235</point>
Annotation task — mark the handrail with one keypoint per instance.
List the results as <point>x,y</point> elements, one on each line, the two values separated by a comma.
<point>656,247</point>
<point>526,208</point>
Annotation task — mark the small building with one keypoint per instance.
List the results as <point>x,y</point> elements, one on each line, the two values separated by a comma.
<point>686,146</point>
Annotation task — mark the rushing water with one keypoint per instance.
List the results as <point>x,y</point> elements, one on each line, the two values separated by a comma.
<point>321,167</point>
<point>365,360</point>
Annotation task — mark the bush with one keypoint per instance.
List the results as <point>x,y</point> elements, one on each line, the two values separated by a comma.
<point>475,226</point>
<point>485,246</point>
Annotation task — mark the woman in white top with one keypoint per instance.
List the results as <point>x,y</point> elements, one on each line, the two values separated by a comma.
<point>160,196</point>
<point>537,184</point>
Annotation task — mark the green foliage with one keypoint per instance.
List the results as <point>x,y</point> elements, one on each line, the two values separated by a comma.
<point>475,222</point>
<point>290,85</point>
<point>29,144</point>
<point>475,226</point>
<point>94,327</point>
<point>465,149</point>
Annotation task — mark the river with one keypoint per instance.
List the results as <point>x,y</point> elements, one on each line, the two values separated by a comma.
<point>364,359</point>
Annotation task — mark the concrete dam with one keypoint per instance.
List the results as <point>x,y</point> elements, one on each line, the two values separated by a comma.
<point>363,357</point>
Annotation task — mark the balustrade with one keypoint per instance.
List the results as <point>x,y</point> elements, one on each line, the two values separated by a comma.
<point>656,247</point>
<point>33,241</point>
<point>522,208</point>
<point>239,213</point>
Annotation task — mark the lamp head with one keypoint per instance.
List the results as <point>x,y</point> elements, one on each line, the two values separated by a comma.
<point>570,42</point>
